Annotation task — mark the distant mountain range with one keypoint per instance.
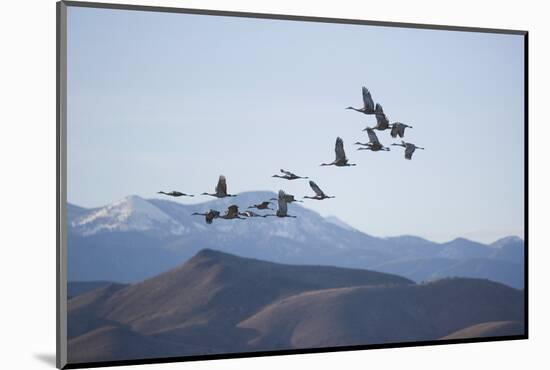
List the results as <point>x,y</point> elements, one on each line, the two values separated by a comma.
<point>135,238</point>
<point>221,303</point>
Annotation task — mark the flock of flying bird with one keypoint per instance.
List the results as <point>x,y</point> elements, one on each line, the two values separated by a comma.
<point>283,199</point>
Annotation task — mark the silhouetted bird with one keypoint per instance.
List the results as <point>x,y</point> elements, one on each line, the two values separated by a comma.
<point>373,143</point>
<point>175,193</point>
<point>289,176</point>
<point>382,122</point>
<point>409,148</point>
<point>398,128</point>
<point>263,205</point>
<point>282,210</point>
<point>208,216</point>
<point>319,194</point>
<point>368,103</point>
<point>250,214</point>
<point>340,160</point>
<point>289,198</point>
<point>231,213</point>
<point>221,189</point>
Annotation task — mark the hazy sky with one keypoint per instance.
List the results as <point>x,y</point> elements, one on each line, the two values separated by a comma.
<point>160,101</point>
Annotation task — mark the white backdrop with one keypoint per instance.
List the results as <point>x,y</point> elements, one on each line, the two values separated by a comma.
<point>27,205</point>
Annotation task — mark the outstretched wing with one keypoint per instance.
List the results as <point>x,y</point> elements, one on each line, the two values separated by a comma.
<point>232,210</point>
<point>288,173</point>
<point>409,150</point>
<point>382,121</point>
<point>402,128</point>
<point>221,188</point>
<point>373,139</point>
<point>316,189</point>
<point>211,215</point>
<point>339,149</point>
<point>368,103</point>
<point>282,203</point>
<point>395,130</point>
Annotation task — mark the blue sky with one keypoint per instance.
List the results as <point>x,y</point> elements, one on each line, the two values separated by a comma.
<point>160,101</point>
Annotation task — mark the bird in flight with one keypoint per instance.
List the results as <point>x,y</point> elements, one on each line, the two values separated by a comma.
<point>368,103</point>
<point>175,193</point>
<point>373,143</point>
<point>250,214</point>
<point>409,148</point>
<point>382,122</point>
<point>282,210</point>
<point>231,212</point>
<point>263,205</point>
<point>398,128</point>
<point>319,194</point>
<point>289,198</point>
<point>221,189</point>
<point>289,175</point>
<point>340,155</point>
<point>208,216</point>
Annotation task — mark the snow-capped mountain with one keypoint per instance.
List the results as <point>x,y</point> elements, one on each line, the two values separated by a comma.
<point>336,221</point>
<point>135,238</point>
<point>129,214</point>
<point>171,219</point>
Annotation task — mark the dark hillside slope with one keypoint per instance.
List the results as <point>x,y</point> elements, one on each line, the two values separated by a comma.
<point>201,301</point>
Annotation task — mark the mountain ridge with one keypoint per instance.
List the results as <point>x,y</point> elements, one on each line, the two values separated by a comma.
<point>135,238</point>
